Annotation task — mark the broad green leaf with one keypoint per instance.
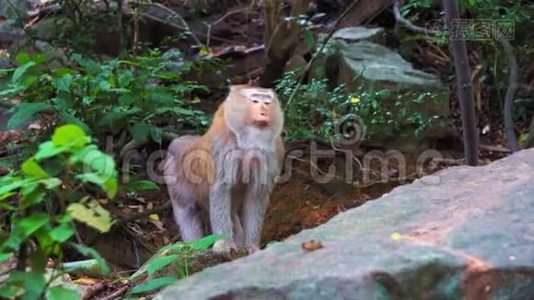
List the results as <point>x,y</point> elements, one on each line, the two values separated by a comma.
<point>88,251</point>
<point>32,282</point>
<point>48,149</point>
<point>61,233</point>
<point>159,263</point>
<point>25,112</point>
<point>140,131</point>
<point>33,169</point>
<point>69,136</point>
<point>19,73</point>
<point>205,242</point>
<point>153,284</point>
<point>29,225</point>
<point>98,161</point>
<point>61,293</point>
<point>91,214</point>
<point>63,83</point>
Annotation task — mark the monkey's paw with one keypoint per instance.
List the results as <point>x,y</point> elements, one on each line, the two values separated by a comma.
<point>252,249</point>
<point>225,248</point>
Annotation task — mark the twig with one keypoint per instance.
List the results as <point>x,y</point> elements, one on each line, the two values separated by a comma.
<point>93,290</point>
<point>314,57</point>
<point>226,15</point>
<point>408,24</point>
<point>141,215</point>
<point>118,293</point>
<point>174,14</point>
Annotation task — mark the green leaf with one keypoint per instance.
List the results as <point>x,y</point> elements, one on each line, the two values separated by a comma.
<point>11,292</point>
<point>61,233</point>
<point>31,224</point>
<point>63,84</point>
<point>15,185</point>
<point>91,214</point>
<point>32,282</point>
<point>88,251</point>
<point>61,293</point>
<point>48,149</point>
<point>19,73</point>
<point>31,198</point>
<point>32,169</point>
<point>5,256</point>
<point>205,242</point>
<point>155,134</point>
<point>97,161</point>
<point>141,185</point>
<point>51,183</point>
<point>153,284</point>
<point>69,118</point>
<point>159,263</point>
<point>25,112</point>
<point>22,58</point>
<point>309,40</point>
<point>159,95</point>
<point>89,65</point>
<point>69,136</point>
<point>106,182</point>
<point>140,131</point>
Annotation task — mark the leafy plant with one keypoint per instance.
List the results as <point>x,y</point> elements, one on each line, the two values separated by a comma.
<point>43,199</point>
<point>317,111</point>
<point>129,98</point>
<point>176,255</point>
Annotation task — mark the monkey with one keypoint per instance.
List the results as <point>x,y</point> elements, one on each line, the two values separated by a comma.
<point>222,181</point>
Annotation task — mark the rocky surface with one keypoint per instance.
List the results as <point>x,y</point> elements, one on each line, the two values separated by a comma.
<point>466,232</point>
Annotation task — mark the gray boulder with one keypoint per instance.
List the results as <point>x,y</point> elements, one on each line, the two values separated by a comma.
<point>466,232</point>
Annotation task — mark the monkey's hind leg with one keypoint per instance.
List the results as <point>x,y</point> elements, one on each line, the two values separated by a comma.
<point>188,221</point>
<point>187,216</point>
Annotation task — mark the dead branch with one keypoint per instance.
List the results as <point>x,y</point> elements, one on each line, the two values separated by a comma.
<point>408,24</point>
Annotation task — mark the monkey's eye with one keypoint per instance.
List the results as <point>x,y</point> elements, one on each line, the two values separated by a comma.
<point>255,101</point>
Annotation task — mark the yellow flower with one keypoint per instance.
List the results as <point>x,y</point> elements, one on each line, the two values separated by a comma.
<point>355,100</point>
<point>396,236</point>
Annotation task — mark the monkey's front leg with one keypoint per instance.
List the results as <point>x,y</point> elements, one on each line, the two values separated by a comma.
<point>220,217</point>
<point>254,207</point>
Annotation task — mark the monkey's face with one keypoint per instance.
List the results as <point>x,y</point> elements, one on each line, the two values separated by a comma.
<point>262,104</point>
<point>260,112</point>
<point>254,112</point>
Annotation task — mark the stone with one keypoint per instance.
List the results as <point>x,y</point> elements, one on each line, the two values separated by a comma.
<point>468,237</point>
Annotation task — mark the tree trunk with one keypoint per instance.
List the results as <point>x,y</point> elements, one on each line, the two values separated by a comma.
<point>463,80</point>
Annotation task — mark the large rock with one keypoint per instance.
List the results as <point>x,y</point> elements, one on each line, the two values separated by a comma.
<point>466,232</point>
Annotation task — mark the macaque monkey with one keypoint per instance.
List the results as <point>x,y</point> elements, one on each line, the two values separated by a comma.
<point>226,176</point>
